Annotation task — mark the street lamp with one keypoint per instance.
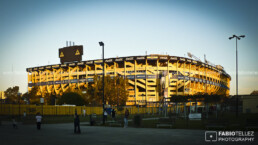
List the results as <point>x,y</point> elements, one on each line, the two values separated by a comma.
<point>103,100</point>
<point>237,38</point>
<point>19,98</point>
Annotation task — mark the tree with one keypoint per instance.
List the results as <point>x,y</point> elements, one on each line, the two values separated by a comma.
<point>178,99</point>
<point>255,92</point>
<point>50,99</point>
<point>33,96</point>
<point>196,98</point>
<point>12,95</point>
<point>25,97</point>
<point>115,91</point>
<point>118,91</point>
<point>213,98</point>
<point>71,98</point>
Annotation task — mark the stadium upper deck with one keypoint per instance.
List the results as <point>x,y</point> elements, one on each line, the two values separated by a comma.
<point>146,75</point>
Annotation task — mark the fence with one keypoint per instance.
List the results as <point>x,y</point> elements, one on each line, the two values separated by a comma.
<point>10,109</point>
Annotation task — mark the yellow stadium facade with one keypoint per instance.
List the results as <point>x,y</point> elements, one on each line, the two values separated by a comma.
<point>147,75</point>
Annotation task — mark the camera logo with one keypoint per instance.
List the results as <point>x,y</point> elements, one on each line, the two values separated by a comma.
<point>210,136</point>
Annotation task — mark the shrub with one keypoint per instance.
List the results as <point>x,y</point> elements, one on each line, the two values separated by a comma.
<point>71,98</point>
<point>137,120</point>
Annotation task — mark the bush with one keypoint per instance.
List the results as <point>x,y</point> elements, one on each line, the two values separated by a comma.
<point>120,108</point>
<point>71,98</point>
<point>137,120</point>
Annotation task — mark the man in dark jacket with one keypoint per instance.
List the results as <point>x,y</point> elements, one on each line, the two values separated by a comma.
<point>77,124</point>
<point>113,113</point>
<point>126,118</point>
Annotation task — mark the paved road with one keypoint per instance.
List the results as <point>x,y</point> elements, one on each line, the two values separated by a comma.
<point>55,134</point>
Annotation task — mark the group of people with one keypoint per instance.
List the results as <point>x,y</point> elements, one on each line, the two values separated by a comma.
<point>113,114</point>
<point>77,120</point>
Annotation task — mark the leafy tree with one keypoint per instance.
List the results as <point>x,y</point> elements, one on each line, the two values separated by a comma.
<point>255,92</point>
<point>118,93</point>
<point>25,97</point>
<point>12,95</point>
<point>71,98</point>
<point>50,99</point>
<point>178,99</point>
<point>33,96</point>
<point>115,91</point>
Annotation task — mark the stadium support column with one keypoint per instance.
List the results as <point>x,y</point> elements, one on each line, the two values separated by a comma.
<point>157,75</point>
<point>177,77</point>
<point>168,92</point>
<point>86,75</point>
<point>190,88</point>
<point>146,85</point>
<point>135,87</point>
<point>184,79</point>
<point>103,67</point>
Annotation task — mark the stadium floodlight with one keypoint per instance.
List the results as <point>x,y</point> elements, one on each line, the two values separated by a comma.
<point>237,38</point>
<point>103,67</point>
<point>230,38</point>
<point>101,43</point>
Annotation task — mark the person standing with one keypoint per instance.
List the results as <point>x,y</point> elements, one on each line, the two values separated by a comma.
<point>84,112</point>
<point>38,119</point>
<point>126,118</point>
<point>105,115</point>
<point>24,114</point>
<point>77,124</point>
<point>113,113</point>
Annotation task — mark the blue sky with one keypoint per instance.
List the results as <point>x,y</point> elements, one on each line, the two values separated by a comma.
<point>31,31</point>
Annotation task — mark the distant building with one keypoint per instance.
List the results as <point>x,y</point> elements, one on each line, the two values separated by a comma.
<point>2,96</point>
<point>250,103</point>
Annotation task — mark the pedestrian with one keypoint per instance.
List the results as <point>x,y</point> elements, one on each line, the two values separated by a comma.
<point>38,119</point>
<point>126,118</point>
<point>14,123</point>
<point>105,115</point>
<point>84,112</point>
<point>113,113</point>
<point>24,114</point>
<point>77,124</point>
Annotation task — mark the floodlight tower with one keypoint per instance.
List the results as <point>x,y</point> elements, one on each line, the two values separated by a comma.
<point>237,38</point>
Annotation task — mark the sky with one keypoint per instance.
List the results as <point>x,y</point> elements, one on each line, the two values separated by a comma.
<point>32,31</point>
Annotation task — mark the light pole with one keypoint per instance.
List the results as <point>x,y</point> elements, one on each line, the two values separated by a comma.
<point>19,98</point>
<point>237,38</point>
<point>103,100</point>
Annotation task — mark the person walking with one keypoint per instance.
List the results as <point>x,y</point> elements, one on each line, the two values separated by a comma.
<point>113,114</point>
<point>77,124</point>
<point>38,119</point>
<point>126,118</point>
<point>14,123</point>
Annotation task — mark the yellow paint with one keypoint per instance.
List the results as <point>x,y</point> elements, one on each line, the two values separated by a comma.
<point>140,90</point>
<point>61,54</point>
<point>77,52</point>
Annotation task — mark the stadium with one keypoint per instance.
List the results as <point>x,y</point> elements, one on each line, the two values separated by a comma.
<point>147,75</point>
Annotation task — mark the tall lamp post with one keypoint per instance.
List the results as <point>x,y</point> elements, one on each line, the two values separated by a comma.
<point>103,100</point>
<point>237,38</point>
<point>19,99</point>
